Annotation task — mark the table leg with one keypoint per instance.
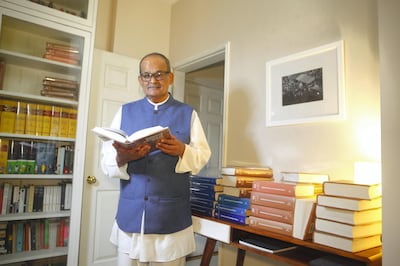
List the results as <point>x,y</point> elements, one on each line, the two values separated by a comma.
<point>240,257</point>
<point>208,252</point>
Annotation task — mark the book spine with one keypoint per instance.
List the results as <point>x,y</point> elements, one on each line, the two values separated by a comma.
<point>8,115</point>
<point>46,119</point>
<point>231,209</point>
<point>202,210</point>
<point>272,200</point>
<point>72,123</point>
<point>234,201</point>
<point>272,226</point>
<point>273,214</point>
<point>201,186</point>
<point>240,219</point>
<point>206,180</point>
<point>31,118</point>
<point>203,202</point>
<point>20,118</point>
<point>278,188</point>
<point>4,145</point>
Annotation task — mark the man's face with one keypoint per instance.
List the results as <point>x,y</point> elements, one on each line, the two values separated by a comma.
<point>155,78</point>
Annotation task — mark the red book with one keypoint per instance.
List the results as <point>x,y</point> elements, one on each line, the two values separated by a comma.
<point>273,200</point>
<point>272,226</point>
<point>273,214</point>
<point>284,188</point>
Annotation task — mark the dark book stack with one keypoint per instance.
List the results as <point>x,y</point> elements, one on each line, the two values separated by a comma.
<point>233,209</point>
<point>62,53</point>
<point>349,216</point>
<point>60,88</point>
<point>204,192</point>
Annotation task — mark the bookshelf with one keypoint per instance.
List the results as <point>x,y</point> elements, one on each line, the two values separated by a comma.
<point>42,41</point>
<point>306,251</point>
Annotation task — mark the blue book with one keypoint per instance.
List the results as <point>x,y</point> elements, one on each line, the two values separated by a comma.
<point>206,211</point>
<point>205,194</point>
<point>234,201</point>
<point>199,185</point>
<point>206,179</point>
<point>203,202</point>
<point>232,209</point>
<point>240,219</point>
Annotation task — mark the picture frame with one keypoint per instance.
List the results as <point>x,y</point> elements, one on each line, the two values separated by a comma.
<point>306,87</point>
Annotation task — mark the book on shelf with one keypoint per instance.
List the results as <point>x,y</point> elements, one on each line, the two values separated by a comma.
<point>149,135</point>
<point>347,244</point>
<point>20,118</point>
<point>349,203</point>
<point>230,217</point>
<point>284,188</point>
<point>247,171</point>
<point>304,218</point>
<point>45,157</point>
<point>64,122</point>
<point>202,210</point>
<point>210,203</point>
<point>273,214</point>
<point>234,201</point>
<point>205,194</point>
<point>267,244</point>
<point>348,188</point>
<point>303,177</point>
<point>241,181</point>
<point>62,47</point>
<point>205,186</point>
<point>348,230</point>
<point>273,200</point>
<point>3,155</point>
<point>206,179</point>
<point>271,226</point>
<point>66,84</point>
<point>348,216</point>
<point>61,59</point>
<point>8,112</point>
<point>241,192</point>
<point>232,209</point>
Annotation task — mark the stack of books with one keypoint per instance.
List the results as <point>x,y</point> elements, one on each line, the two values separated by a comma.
<point>237,182</point>
<point>62,53</point>
<point>60,88</point>
<point>283,207</point>
<point>349,216</point>
<point>204,192</point>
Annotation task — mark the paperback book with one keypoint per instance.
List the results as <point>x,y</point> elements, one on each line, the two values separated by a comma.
<point>267,244</point>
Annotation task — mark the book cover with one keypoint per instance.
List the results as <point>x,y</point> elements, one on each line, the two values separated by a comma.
<point>64,122</point>
<point>349,217</point>
<point>39,119</point>
<point>234,201</point>
<point>205,194</point>
<point>73,115</point>
<point>46,119</point>
<point>31,118</point>
<point>203,202</point>
<point>284,188</point>
<point>273,200</point>
<point>270,245</point>
<point>202,210</point>
<point>304,218</point>
<point>272,226</point>
<point>349,203</point>
<point>8,114</point>
<point>206,179</point>
<point>55,121</point>
<point>241,181</point>
<point>45,157</point>
<point>247,171</point>
<point>302,177</point>
<point>232,209</point>
<point>149,135</point>
<point>347,244</point>
<point>20,118</point>
<point>347,230</point>
<point>230,217</point>
<point>273,214</point>
<point>347,188</point>
<point>205,186</point>
<point>241,192</point>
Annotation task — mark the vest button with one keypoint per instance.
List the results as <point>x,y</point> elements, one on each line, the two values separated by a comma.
<point>146,198</point>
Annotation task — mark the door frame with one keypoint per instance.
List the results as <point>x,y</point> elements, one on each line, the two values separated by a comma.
<point>207,58</point>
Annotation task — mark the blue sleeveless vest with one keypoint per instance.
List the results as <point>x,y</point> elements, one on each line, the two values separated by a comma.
<point>154,187</point>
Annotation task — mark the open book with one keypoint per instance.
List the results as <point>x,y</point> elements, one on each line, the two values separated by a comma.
<point>148,135</point>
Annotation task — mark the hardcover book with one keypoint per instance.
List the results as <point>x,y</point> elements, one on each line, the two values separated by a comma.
<point>349,217</point>
<point>273,200</point>
<point>304,218</point>
<point>230,217</point>
<point>149,135</point>
<point>206,179</point>
<point>234,201</point>
<point>241,181</point>
<point>301,177</point>
<point>247,171</point>
<point>347,244</point>
<point>241,192</point>
<point>347,188</point>
<point>347,230</point>
<point>204,186</point>
<point>349,203</point>
<point>272,226</point>
<point>284,188</point>
<point>270,245</point>
<point>273,214</point>
<point>232,209</point>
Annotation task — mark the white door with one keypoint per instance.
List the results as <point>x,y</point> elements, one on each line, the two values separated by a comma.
<point>114,82</point>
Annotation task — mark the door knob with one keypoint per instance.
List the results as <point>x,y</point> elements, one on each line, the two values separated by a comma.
<point>91,179</point>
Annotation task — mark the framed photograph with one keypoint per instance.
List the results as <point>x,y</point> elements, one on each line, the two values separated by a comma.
<point>306,86</point>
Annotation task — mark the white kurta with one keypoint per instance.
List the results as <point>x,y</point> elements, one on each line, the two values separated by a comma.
<point>158,247</point>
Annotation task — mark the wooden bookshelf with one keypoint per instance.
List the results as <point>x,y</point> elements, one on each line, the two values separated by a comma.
<point>302,255</point>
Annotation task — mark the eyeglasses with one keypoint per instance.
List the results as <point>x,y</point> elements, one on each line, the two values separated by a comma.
<point>160,75</point>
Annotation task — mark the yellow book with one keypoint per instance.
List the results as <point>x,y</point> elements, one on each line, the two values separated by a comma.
<point>55,121</point>
<point>46,120</point>
<point>31,118</point>
<point>72,123</point>
<point>8,115</point>
<point>3,155</point>
<point>64,122</point>
<point>39,119</point>
<point>20,118</point>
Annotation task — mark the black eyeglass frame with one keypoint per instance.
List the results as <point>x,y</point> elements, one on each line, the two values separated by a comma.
<point>159,75</point>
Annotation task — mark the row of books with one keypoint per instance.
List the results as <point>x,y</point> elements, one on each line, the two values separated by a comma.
<point>60,88</point>
<point>37,119</point>
<point>35,157</point>
<point>62,53</point>
<point>20,236</point>
<point>35,198</point>
<point>349,216</point>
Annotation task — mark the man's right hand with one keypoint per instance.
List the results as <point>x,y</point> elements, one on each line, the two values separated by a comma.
<point>126,153</point>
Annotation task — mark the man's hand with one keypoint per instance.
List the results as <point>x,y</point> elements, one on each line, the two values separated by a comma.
<point>171,146</point>
<point>125,153</point>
